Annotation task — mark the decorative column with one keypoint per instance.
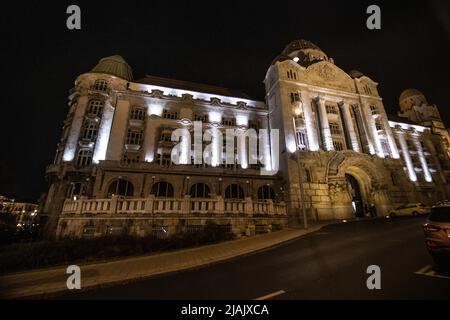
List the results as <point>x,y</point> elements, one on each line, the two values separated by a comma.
<point>311,129</point>
<point>390,137</point>
<point>350,129</point>
<point>325,125</point>
<point>373,129</point>
<point>101,146</point>
<point>118,131</point>
<point>75,128</point>
<point>423,160</point>
<point>432,150</point>
<point>364,136</point>
<point>406,155</point>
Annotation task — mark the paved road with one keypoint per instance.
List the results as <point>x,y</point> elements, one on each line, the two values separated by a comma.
<point>328,264</point>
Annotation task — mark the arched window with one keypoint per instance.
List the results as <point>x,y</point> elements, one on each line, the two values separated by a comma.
<point>95,107</point>
<point>234,191</point>
<point>84,157</point>
<point>265,193</point>
<point>121,187</point>
<point>90,131</point>
<point>162,189</point>
<point>199,190</point>
<point>76,189</point>
<point>101,85</point>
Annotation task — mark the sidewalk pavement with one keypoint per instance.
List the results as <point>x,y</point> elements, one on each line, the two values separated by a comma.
<point>51,281</point>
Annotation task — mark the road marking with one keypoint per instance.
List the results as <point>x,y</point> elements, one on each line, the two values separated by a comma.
<point>429,272</point>
<point>271,295</point>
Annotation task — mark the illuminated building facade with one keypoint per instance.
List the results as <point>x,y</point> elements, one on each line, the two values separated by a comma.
<point>24,212</point>
<point>338,151</point>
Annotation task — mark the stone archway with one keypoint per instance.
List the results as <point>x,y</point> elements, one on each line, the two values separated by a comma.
<point>350,170</point>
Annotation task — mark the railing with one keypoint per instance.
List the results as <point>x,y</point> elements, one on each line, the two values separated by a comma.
<point>184,206</point>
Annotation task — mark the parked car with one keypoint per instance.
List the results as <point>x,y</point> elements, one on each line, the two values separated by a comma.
<point>437,234</point>
<point>412,209</point>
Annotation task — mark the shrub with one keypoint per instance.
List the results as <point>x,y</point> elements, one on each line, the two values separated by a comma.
<point>24,256</point>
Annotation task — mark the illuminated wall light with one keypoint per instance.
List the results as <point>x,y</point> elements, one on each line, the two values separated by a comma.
<point>296,59</point>
<point>214,116</point>
<point>104,131</point>
<point>196,95</point>
<point>242,120</point>
<point>155,109</point>
<point>291,145</point>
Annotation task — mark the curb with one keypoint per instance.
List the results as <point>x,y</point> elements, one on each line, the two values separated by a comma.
<point>200,265</point>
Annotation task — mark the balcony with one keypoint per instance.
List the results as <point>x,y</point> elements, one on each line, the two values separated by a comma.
<point>152,206</point>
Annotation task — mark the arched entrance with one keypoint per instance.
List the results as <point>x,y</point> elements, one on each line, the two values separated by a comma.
<point>356,181</point>
<point>355,195</point>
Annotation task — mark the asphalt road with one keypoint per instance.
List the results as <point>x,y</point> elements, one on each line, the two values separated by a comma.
<point>328,264</point>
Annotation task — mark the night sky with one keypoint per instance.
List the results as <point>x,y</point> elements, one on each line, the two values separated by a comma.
<point>227,44</point>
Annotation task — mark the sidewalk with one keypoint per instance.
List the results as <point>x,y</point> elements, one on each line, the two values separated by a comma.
<point>44,282</point>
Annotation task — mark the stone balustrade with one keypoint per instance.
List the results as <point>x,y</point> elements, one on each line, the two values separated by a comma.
<point>179,206</point>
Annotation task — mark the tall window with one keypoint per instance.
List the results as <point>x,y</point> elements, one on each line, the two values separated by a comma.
<point>199,190</point>
<point>137,113</point>
<point>338,145</point>
<point>84,157</point>
<point>170,114</point>
<point>95,107</point>
<point>334,128</point>
<point>234,191</point>
<point>131,157</point>
<point>134,136</point>
<point>90,131</point>
<point>162,189</point>
<point>302,140</point>
<point>165,136</point>
<point>331,109</point>
<point>373,110</point>
<point>295,97</point>
<point>228,122</point>
<point>101,85</point>
<point>266,193</point>
<point>291,75</point>
<point>121,187</point>
<point>76,189</point>
<point>200,117</point>
<point>378,125</point>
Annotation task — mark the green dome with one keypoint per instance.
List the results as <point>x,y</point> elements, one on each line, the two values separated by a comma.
<point>116,66</point>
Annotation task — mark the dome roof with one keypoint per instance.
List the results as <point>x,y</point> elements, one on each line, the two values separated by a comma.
<point>299,51</point>
<point>410,93</point>
<point>355,74</point>
<point>116,66</point>
<point>299,45</point>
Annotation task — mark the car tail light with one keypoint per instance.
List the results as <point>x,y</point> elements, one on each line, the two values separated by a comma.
<point>430,228</point>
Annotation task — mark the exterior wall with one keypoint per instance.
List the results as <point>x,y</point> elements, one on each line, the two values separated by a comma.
<point>333,131</point>
<point>371,151</point>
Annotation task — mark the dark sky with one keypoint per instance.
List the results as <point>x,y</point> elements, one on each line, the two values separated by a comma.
<point>221,43</point>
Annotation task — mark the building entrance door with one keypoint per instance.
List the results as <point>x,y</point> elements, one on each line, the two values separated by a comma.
<point>355,194</point>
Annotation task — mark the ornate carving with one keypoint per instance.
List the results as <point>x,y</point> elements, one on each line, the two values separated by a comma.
<point>216,102</point>
<point>326,72</point>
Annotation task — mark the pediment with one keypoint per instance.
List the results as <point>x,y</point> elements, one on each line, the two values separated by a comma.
<point>326,74</point>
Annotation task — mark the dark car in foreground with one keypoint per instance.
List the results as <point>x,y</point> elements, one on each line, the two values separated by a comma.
<point>437,234</point>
